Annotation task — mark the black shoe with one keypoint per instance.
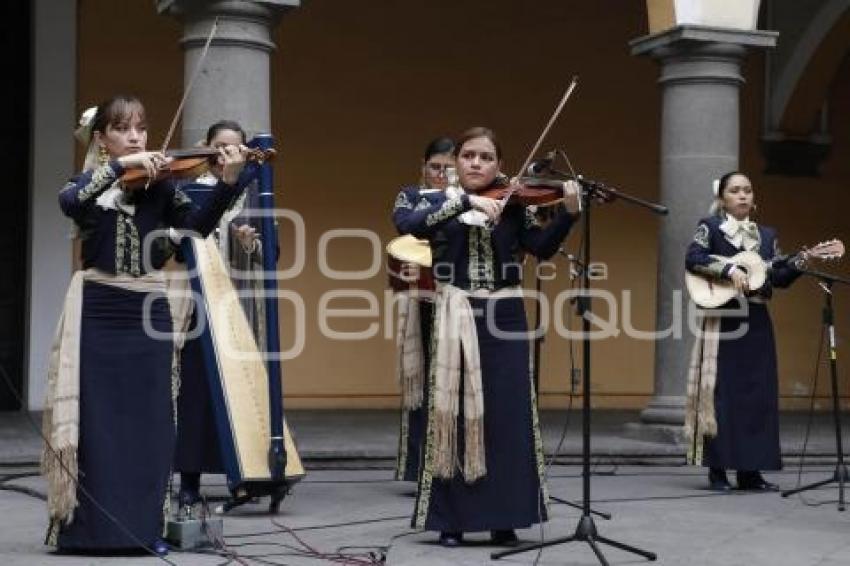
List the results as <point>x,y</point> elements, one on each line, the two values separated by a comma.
<point>504,538</point>
<point>717,481</point>
<point>753,481</point>
<point>451,539</point>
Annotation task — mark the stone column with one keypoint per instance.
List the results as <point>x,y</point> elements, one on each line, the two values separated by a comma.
<point>700,85</point>
<point>234,81</point>
<point>54,82</point>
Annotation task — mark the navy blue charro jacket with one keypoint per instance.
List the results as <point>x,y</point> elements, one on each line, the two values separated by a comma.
<point>476,257</point>
<point>709,240</point>
<point>115,240</point>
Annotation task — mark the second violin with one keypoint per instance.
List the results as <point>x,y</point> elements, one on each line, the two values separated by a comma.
<point>186,164</point>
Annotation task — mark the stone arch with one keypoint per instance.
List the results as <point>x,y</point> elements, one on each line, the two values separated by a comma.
<point>803,83</point>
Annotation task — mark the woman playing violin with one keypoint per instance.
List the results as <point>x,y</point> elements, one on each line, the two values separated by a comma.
<point>732,412</point>
<point>483,466</point>
<point>108,412</point>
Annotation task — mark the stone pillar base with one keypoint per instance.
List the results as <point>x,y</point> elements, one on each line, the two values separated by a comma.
<point>665,410</point>
<point>661,421</point>
<point>661,434</point>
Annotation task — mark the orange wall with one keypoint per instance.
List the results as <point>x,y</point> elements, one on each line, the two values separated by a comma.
<point>359,87</point>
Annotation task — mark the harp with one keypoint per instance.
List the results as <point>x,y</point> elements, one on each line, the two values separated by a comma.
<point>257,449</point>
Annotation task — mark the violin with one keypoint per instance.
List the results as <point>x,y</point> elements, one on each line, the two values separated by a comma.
<point>542,191</point>
<point>187,164</point>
<point>526,190</point>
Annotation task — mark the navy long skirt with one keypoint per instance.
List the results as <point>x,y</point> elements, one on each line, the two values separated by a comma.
<point>510,495</point>
<point>126,425</point>
<point>412,437</point>
<point>197,437</point>
<point>746,399</point>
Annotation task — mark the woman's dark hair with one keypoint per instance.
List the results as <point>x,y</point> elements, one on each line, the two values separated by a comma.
<point>115,110</point>
<point>724,181</point>
<point>479,132</point>
<point>225,125</point>
<point>443,144</point>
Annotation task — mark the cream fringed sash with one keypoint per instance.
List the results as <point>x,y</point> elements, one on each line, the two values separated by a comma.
<point>61,420</point>
<point>700,420</point>
<point>456,336</point>
<point>410,357</point>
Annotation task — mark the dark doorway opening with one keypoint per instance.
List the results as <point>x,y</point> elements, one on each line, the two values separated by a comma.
<point>16,43</point>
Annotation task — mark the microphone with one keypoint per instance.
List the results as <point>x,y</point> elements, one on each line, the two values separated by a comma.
<point>541,165</point>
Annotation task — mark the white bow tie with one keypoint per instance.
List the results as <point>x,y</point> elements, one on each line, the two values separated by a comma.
<point>742,233</point>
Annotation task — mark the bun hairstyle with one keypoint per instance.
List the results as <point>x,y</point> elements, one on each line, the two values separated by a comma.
<point>110,112</point>
<point>115,110</point>
<point>717,187</point>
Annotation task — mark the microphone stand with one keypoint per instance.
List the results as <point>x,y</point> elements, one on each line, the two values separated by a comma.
<point>538,343</point>
<point>586,530</point>
<point>840,475</point>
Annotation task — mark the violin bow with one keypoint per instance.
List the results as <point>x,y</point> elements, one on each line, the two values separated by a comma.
<point>188,89</point>
<point>544,133</point>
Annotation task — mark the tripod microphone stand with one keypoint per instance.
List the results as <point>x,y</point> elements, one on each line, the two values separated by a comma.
<point>538,342</point>
<point>840,474</point>
<point>586,530</point>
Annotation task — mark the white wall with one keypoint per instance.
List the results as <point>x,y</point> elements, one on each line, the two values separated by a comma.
<point>54,93</point>
<point>737,14</point>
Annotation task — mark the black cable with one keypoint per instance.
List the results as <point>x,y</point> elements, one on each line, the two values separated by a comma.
<point>361,559</point>
<point>302,482</point>
<point>738,493</point>
<point>351,523</point>
<point>697,473</point>
<point>21,464</point>
<point>222,548</point>
<point>295,551</point>
<point>313,552</point>
<point>809,419</point>
<point>21,489</point>
<point>17,476</point>
<point>325,526</point>
<point>564,430</point>
<point>115,521</point>
<point>24,490</point>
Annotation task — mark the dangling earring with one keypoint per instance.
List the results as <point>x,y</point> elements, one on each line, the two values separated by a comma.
<point>754,209</point>
<point>102,155</point>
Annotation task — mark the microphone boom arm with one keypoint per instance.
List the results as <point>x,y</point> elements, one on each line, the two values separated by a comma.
<point>604,192</point>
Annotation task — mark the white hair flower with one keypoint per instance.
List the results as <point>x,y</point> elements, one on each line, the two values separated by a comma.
<point>715,187</point>
<point>83,131</point>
